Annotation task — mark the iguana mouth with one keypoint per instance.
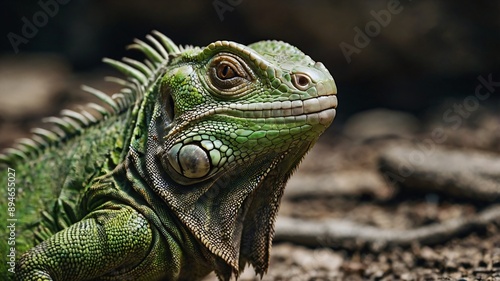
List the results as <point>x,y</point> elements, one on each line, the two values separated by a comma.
<point>316,110</point>
<point>321,109</point>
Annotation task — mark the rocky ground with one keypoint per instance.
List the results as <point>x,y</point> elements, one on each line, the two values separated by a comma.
<point>385,196</point>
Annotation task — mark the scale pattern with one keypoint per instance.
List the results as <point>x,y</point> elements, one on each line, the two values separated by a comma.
<point>177,175</point>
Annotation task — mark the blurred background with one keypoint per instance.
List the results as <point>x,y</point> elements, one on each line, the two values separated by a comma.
<point>411,56</point>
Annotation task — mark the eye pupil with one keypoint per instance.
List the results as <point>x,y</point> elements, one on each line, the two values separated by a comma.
<point>225,71</point>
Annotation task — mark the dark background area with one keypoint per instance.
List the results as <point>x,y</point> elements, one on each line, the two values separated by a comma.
<point>427,53</point>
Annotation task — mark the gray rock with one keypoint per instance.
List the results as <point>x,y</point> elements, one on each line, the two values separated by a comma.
<point>461,173</point>
<point>379,123</point>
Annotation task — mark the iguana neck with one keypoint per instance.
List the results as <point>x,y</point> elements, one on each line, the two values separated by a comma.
<point>224,214</point>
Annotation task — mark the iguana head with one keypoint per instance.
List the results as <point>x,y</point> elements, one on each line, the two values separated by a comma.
<point>231,123</point>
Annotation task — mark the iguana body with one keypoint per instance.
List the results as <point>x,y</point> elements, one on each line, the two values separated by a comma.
<point>180,176</point>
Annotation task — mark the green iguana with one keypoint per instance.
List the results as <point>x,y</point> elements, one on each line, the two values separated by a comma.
<point>177,175</point>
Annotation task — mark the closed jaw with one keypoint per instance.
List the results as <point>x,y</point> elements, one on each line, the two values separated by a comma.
<point>322,107</point>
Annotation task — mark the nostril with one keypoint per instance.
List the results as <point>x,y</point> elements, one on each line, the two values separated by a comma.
<point>301,81</point>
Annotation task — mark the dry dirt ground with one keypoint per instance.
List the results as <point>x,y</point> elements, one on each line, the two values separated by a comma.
<point>402,199</point>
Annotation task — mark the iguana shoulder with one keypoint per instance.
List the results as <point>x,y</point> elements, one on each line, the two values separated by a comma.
<point>55,165</point>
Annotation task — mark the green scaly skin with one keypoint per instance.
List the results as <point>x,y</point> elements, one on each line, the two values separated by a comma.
<point>180,175</point>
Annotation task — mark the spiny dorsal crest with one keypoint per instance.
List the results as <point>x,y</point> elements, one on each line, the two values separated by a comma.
<point>140,77</point>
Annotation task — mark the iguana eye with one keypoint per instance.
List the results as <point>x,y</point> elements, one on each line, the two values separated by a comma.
<point>228,75</point>
<point>225,71</point>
